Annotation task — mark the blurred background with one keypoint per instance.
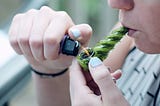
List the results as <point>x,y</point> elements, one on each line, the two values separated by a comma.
<point>16,85</point>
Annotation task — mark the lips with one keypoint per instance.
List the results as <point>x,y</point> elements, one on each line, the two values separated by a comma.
<point>131,32</point>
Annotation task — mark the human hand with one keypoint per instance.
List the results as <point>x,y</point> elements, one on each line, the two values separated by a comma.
<point>99,91</point>
<point>37,34</point>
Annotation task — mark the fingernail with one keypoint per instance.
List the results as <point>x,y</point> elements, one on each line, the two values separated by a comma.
<point>95,61</point>
<point>76,33</point>
<point>114,79</point>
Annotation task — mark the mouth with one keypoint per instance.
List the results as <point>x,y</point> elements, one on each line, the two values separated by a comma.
<point>131,31</point>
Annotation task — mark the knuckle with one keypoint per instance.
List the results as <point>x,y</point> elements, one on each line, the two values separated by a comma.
<point>63,14</point>
<point>64,17</point>
<point>17,17</point>
<point>31,11</point>
<point>45,12</point>
<point>44,8</point>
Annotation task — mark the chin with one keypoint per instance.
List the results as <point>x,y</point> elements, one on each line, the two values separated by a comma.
<point>147,47</point>
<point>148,50</point>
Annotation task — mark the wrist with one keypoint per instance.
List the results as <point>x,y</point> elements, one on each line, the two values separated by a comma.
<point>50,74</point>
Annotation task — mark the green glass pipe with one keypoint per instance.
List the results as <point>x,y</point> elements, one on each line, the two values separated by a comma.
<point>102,48</point>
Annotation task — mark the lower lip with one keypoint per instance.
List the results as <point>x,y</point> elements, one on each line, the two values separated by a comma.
<point>131,32</point>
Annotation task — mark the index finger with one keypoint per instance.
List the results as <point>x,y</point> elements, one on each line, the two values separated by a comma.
<point>76,76</point>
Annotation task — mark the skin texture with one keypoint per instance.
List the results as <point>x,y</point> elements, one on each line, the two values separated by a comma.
<point>146,21</point>
<point>32,35</point>
<point>93,92</point>
<point>140,15</point>
<point>33,38</point>
<point>36,34</point>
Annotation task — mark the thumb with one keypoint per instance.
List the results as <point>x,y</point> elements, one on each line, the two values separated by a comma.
<point>81,33</point>
<point>103,79</point>
<point>99,72</point>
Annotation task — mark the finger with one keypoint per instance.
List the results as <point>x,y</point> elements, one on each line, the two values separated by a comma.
<point>76,76</point>
<point>24,32</point>
<point>78,85</point>
<point>81,32</point>
<point>103,78</point>
<point>54,34</point>
<point>40,24</point>
<point>13,33</point>
<point>117,74</point>
<point>91,83</point>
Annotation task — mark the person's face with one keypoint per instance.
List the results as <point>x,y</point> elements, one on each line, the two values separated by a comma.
<point>142,17</point>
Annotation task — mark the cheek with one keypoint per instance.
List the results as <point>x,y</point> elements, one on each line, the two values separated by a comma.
<point>150,23</point>
<point>152,33</point>
<point>147,42</point>
<point>149,38</point>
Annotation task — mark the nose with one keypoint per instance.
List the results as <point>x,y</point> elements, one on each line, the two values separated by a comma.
<point>121,4</point>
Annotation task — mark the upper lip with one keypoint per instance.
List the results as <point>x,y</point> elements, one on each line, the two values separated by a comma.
<point>127,26</point>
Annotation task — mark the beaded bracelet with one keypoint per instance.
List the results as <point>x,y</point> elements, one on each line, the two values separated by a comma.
<point>46,75</point>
